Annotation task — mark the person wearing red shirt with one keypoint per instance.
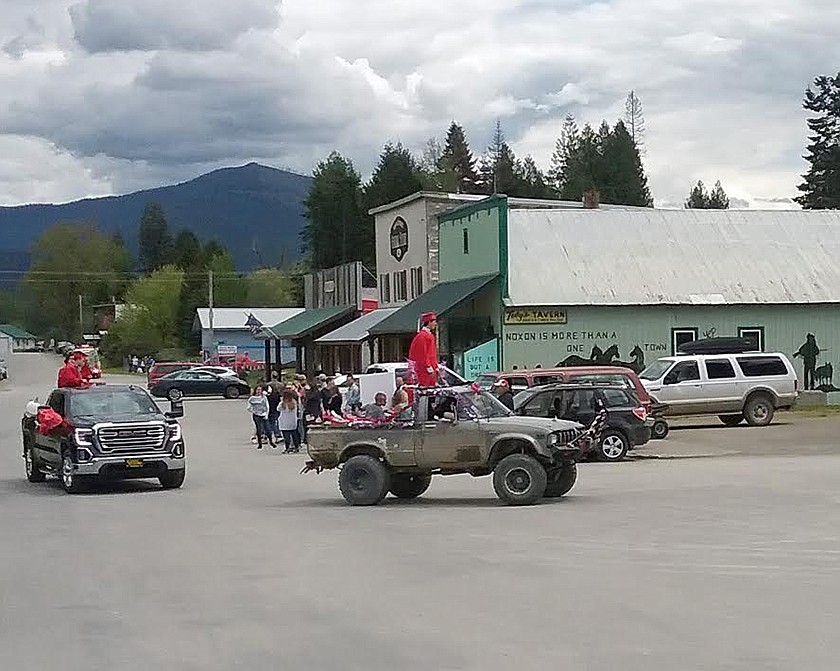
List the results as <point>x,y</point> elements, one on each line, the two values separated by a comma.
<point>70,375</point>
<point>422,355</point>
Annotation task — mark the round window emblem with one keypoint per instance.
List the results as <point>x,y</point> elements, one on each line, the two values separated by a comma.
<point>399,238</point>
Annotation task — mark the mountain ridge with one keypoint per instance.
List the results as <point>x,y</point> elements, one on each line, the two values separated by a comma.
<point>243,207</point>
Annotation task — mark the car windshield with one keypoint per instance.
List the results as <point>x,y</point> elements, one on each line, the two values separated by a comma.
<point>485,404</point>
<point>524,396</point>
<point>485,381</point>
<point>111,403</point>
<point>656,370</point>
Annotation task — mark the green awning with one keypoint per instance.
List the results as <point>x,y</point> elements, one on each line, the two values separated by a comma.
<point>15,332</point>
<point>307,322</point>
<point>440,299</point>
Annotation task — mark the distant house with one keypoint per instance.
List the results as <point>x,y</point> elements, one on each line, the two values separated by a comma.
<point>22,341</point>
<point>231,330</point>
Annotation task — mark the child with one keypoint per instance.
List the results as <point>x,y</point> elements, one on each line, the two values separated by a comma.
<point>258,407</point>
<point>288,420</point>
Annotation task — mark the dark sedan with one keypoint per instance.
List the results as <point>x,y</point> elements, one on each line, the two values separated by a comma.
<point>628,424</point>
<point>197,383</point>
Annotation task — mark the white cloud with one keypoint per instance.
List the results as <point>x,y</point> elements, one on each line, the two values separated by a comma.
<point>112,94</point>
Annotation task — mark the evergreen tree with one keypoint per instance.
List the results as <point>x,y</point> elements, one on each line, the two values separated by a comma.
<point>583,167</point>
<point>155,248</point>
<point>187,251</point>
<point>337,230</point>
<point>634,120</point>
<point>698,197</point>
<point>621,178</point>
<point>821,188</point>
<point>718,200</point>
<point>488,177</point>
<point>457,163</point>
<point>396,175</point>
<point>567,145</point>
<point>532,182</point>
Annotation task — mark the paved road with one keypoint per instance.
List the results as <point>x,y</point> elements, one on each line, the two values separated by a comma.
<point>682,564</point>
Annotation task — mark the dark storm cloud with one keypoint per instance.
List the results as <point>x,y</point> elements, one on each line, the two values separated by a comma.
<point>147,25</point>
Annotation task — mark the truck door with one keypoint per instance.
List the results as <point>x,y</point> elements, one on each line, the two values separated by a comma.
<point>446,443</point>
<point>48,447</point>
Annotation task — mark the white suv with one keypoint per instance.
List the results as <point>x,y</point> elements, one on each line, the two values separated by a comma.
<point>735,387</point>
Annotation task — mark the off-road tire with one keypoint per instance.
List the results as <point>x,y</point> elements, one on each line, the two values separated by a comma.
<point>759,410</point>
<point>731,420</point>
<point>613,446</point>
<point>364,481</point>
<point>70,482</point>
<point>173,479</point>
<point>660,429</point>
<point>232,392</point>
<point>560,481</point>
<point>33,468</point>
<point>519,480</point>
<point>174,394</point>
<point>409,486</point>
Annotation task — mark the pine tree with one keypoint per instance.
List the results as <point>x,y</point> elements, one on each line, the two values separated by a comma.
<point>821,188</point>
<point>698,198</point>
<point>337,230</point>
<point>532,182</point>
<point>155,241</point>
<point>621,179</point>
<point>396,175</point>
<point>457,163</point>
<point>583,167</point>
<point>718,200</point>
<point>634,120</point>
<point>488,177</point>
<point>566,146</point>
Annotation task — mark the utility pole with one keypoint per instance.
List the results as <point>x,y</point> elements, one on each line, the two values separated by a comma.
<point>81,319</point>
<point>210,303</point>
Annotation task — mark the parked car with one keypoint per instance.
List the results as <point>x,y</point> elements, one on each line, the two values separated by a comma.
<point>222,371</point>
<point>528,457</point>
<point>524,379</point>
<point>159,370</point>
<point>114,432</point>
<point>628,424</point>
<point>749,385</point>
<point>197,383</point>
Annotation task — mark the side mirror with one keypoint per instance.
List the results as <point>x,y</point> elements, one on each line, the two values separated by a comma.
<point>176,409</point>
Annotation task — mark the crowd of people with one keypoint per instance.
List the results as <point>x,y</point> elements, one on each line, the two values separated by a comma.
<point>136,364</point>
<point>287,410</point>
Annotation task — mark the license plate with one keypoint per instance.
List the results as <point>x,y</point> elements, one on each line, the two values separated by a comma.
<point>134,463</point>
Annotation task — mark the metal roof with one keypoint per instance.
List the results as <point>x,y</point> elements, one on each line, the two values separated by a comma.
<point>15,332</point>
<point>694,257</point>
<point>439,299</point>
<point>358,330</point>
<point>233,319</point>
<point>307,322</point>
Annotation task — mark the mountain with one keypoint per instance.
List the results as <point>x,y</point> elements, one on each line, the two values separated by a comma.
<point>245,208</point>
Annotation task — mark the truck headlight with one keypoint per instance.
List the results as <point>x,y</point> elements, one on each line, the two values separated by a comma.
<point>175,431</point>
<point>83,436</point>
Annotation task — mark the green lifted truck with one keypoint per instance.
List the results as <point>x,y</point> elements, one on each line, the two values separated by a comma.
<point>455,430</point>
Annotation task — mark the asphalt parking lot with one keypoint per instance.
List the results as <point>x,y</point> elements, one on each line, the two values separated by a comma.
<point>729,562</point>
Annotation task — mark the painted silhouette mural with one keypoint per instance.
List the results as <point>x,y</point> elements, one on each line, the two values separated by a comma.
<point>815,377</point>
<point>609,357</point>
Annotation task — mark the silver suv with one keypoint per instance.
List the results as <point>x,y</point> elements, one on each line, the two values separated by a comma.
<point>735,387</point>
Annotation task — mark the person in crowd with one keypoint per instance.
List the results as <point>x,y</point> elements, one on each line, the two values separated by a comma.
<point>274,396</point>
<point>401,405</point>
<point>423,355</point>
<point>258,407</point>
<point>312,407</point>
<point>354,394</point>
<point>335,400</point>
<point>70,374</point>
<point>300,380</point>
<point>501,389</point>
<point>135,363</point>
<point>288,420</point>
<point>376,410</point>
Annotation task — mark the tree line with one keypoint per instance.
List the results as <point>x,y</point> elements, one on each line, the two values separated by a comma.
<point>161,289</point>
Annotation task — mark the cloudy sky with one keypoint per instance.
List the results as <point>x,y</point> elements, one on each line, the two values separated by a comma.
<point>107,96</point>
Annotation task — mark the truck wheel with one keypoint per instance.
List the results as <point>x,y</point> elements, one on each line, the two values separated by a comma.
<point>174,394</point>
<point>33,468</point>
<point>519,480</point>
<point>613,447</point>
<point>759,410</point>
<point>232,391</point>
<point>409,486</point>
<point>363,480</point>
<point>560,481</point>
<point>731,420</point>
<point>173,479</point>
<point>659,430</point>
<point>72,483</point>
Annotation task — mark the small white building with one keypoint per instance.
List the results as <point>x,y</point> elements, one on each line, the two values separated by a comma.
<point>21,340</point>
<point>231,330</point>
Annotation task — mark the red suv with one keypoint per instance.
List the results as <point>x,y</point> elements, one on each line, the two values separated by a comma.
<point>537,377</point>
<point>160,369</point>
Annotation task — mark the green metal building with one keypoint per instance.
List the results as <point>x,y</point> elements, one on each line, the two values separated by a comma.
<point>521,288</point>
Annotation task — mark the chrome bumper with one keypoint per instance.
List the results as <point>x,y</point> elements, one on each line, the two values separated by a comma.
<point>95,465</point>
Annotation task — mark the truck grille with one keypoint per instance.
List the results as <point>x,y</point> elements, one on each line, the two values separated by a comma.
<point>567,436</point>
<point>128,438</point>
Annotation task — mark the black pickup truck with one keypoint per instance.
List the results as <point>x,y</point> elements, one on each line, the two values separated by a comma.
<point>108,432</point>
